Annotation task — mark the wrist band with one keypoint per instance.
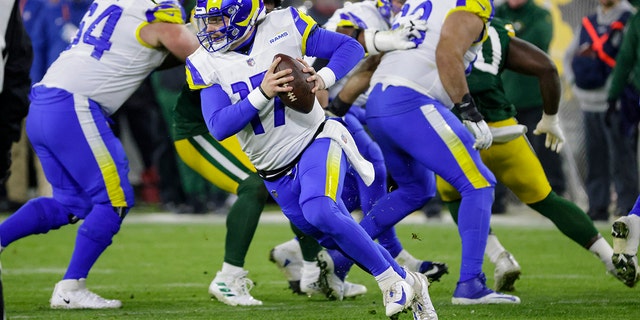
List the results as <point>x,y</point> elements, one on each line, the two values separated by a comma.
<point>263,93</point>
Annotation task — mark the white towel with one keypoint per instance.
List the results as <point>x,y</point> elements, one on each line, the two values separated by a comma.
<point>338,133</point>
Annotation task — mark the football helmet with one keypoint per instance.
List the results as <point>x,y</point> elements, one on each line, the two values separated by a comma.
<point>389,8</point>
<point>235,19</point>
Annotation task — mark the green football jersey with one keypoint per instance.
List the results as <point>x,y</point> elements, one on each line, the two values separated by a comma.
<point>187,116</point>
<point>484,81</point>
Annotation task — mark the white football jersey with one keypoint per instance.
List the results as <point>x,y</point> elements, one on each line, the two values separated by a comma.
<point>279,134</point>
<point>362,15</point>
<point>107,60</point>
<point>416,68</point>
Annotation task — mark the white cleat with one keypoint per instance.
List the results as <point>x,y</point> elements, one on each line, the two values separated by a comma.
<point>626,235</point>
<point>422,306</point>
<point>397,298</point>
<point>288,258</point>
<point>352,290</point>
<point>309,283</point>
<point>233,290</point>
<point>506,273</point>
<point>332,286</point>
<point>73,294</point>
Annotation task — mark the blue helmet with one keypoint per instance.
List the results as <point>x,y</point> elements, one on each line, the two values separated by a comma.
<point>384,7</point>
<point>236,18</point>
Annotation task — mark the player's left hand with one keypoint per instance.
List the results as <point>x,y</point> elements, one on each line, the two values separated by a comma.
<point>550,124</point>
<point>481,131</point>
<point>474,121</point>
<point>409,34</point>
<point>319,82</point>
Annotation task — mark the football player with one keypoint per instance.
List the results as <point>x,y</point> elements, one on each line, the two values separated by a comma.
<point>301,157</point>
<point>408,113</point>
<point>371,19</point>
<point>225,165</point>
<point>512,161</point>
<point>119,44</point>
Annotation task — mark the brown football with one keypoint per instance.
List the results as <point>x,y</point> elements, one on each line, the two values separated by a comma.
<point>300,98</point>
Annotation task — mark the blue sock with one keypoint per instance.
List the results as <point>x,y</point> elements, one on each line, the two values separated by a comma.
<point>94,236</point>
<point>389,240</point>
<point>473,226</point>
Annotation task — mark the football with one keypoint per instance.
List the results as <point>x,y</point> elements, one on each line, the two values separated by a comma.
<point>300,98</point>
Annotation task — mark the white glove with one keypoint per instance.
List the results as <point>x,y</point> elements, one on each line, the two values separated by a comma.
<point>407,36</point>
<point>474,121</point>
<point>482,133</point>
<point>550,124</point>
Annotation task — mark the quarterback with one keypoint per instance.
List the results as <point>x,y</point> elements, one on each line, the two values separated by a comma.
<point>301,157</point>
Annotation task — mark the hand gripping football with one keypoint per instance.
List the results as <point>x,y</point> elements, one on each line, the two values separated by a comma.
<point>300,98</point>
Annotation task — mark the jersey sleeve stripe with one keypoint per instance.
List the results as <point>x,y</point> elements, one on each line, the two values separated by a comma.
<point>194,78</point>
<point>305,24</point>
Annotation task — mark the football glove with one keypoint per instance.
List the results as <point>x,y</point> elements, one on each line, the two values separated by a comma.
<point>474,121</point>
<point>550,124</point>
<point>407,36</point>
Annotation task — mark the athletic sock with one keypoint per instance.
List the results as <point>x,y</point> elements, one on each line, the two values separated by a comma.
<point>405,258</point>
<point>602,249</point>
<point>230,269</point>
<point>387,278</point>
<point>494,248</point>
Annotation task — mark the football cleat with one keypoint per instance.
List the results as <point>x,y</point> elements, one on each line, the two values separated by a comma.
<point>352,290</point>
<point>475,291</point>
<point>422,306</point>
<point>332,286</point>
<point>288,258</point>
<point>625,249</point>
<point>397,298</point>
<point>233,290</point>
<point>309,284</point>
<point>73,294</point>
<point>506,273</point>
<point>433,270</point>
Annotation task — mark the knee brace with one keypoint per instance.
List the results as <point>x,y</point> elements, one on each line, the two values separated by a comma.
<point>102,223</point>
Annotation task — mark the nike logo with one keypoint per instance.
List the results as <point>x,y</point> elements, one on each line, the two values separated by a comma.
<point>66,300</point>
<point>433,270</point>
<point>403,298</point>
<point>506,297</point>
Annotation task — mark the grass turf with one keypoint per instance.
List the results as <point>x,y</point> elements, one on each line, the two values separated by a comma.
<point>162,271</point>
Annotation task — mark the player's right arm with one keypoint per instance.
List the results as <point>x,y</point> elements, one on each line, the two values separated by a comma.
<point>460,31</point>
<point>166,28</point>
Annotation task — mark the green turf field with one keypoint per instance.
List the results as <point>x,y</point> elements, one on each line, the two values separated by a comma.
<point>162,271</point>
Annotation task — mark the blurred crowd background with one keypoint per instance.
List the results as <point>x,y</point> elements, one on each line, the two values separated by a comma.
<point>159,176</point>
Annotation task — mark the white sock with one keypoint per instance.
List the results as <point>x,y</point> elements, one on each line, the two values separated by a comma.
<point>494,248</point>
<point>603,251</point>
<point>310,269</point>
<point>405,258</point>
<point>387,278</point>
<point>231,269</point>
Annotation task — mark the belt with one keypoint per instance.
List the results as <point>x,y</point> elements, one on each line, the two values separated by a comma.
<point>273,175</point>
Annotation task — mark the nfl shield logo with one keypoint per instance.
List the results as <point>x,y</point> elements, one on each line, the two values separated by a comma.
<point>251,62</point>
